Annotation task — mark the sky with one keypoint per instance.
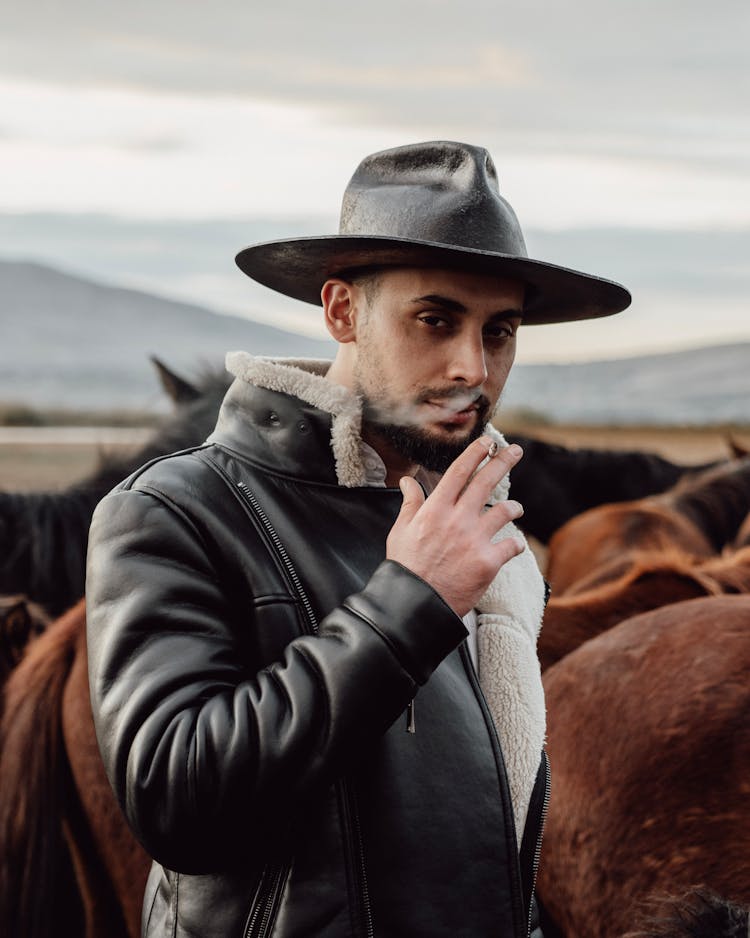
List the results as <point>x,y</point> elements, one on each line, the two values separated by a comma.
<point>146,143</point>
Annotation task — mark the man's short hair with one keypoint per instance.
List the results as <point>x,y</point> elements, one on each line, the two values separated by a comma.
<point>367,278</point>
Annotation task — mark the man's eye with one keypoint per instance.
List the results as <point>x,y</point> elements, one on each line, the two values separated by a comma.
<point>499,332</point>
<point>434,321</point>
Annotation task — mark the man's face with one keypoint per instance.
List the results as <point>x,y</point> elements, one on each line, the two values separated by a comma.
<point>433,352</point>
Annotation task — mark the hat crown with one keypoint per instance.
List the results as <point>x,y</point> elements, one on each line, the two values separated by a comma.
<point>441,192</point>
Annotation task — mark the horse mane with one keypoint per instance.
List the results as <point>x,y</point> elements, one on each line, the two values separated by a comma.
<point>717,500</point>
<point>698,913</point>
<point>34,786</point>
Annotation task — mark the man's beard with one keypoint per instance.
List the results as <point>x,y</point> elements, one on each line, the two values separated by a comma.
<point>411,440</point>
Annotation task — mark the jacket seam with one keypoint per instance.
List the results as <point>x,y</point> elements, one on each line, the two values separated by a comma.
<point>388,642</point>
<point>176,509</point>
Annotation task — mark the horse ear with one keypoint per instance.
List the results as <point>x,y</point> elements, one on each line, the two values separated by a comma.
<point>179,390</point>
<point>15,625</point>
<point>739,451</point>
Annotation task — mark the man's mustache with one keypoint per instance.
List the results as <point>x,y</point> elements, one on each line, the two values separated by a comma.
<point>415,414</point>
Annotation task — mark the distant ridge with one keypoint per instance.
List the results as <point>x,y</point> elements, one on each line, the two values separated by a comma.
<point>69,342</point>
<point>697,386</point>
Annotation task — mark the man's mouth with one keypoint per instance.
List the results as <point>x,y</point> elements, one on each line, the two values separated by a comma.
<point>449,412</point>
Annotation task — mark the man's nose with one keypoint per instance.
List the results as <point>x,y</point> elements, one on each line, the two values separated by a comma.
<point>468,363</point>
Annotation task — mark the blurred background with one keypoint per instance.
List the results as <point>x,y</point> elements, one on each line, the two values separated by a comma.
<point>142,145</point>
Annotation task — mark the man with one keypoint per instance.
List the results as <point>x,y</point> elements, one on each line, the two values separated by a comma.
<point>300,727</point>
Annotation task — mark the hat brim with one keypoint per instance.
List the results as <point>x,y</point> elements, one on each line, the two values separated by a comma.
<point>299,268</point>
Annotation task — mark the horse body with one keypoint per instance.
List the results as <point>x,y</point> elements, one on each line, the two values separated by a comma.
<point>649,739</point>
<point>68,861</point>
<point>615,534</point>
<point>699,517</point>
<point>648,581</point>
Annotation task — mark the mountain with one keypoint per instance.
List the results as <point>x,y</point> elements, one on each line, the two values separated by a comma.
<point>699,386</point>
<point>70,342</point>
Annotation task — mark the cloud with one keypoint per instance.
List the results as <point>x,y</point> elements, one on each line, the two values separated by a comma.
<point>634,78</point>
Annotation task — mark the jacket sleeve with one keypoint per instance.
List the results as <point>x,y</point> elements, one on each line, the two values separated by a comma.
<point>205,754</point>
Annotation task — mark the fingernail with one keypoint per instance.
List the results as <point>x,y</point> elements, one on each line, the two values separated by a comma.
<point>515,451</point>
<point>515,506</point>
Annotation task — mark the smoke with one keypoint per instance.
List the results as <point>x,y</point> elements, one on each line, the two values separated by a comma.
<point>430,406</point>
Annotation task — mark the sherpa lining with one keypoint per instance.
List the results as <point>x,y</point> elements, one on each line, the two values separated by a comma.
<point>509,615</point>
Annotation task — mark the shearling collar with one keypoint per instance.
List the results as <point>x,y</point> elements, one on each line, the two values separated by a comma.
<point>509,614</point>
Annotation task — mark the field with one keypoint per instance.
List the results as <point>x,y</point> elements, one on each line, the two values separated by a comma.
<point>51,458</point>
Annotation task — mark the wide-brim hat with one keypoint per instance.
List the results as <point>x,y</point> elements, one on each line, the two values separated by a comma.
<point>430,205</point>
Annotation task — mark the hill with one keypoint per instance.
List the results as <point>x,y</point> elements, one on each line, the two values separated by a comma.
<point>72,343</point>
<point>700,386</point>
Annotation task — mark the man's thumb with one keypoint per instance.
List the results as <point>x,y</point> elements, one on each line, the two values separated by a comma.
<point>413,497</point>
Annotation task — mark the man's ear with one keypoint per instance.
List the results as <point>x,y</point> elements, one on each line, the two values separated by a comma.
<point>340,300</point>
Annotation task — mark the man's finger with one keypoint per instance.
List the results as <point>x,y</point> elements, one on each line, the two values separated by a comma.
<point>461,469</point>
<point>482,484</point>
<point>508,548</point>
<point>495,518</point>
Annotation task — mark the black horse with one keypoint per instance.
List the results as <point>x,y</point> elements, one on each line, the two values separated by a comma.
<point>43,535</point>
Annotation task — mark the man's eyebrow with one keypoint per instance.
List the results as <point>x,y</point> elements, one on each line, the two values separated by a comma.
<point>453,306</point>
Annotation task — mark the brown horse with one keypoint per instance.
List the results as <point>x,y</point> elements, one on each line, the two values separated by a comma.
<point>63,836</point>
<point>699,517</point>
<point>699,913</point>
<point>20,621</point>
<point>648,581</point>
<point>649,739</point>
<point>743,535</point>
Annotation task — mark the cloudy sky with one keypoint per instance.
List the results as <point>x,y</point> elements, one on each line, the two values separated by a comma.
<point>139,142</point>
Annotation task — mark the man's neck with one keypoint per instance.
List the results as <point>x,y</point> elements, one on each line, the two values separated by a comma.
<point>396,466</point>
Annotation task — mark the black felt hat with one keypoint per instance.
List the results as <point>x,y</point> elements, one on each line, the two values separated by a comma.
<point>430,205</point>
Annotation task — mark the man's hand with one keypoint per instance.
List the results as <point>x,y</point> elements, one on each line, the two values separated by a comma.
<point>446,539</point>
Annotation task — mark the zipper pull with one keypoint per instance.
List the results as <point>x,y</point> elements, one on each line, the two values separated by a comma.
<point>411,726</point>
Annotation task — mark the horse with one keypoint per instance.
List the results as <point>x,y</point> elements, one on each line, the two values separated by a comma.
<point>649,739</point>
<point>648,581</point>
<point>698,913</point>
<point>555,483</point>
<point>69,862</point>
<point>43,536</point>
<point>20,621</point>
<point>699,516</point>
<point>743,535</point>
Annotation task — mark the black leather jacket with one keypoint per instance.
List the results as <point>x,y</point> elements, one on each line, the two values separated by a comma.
<point>252,661</point>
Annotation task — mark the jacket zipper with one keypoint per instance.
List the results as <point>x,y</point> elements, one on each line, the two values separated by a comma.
<point>283,556</point>
<point>366,909</point>
<point>268,897</point>
<point>540,835</point>
<point>253,502</point>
